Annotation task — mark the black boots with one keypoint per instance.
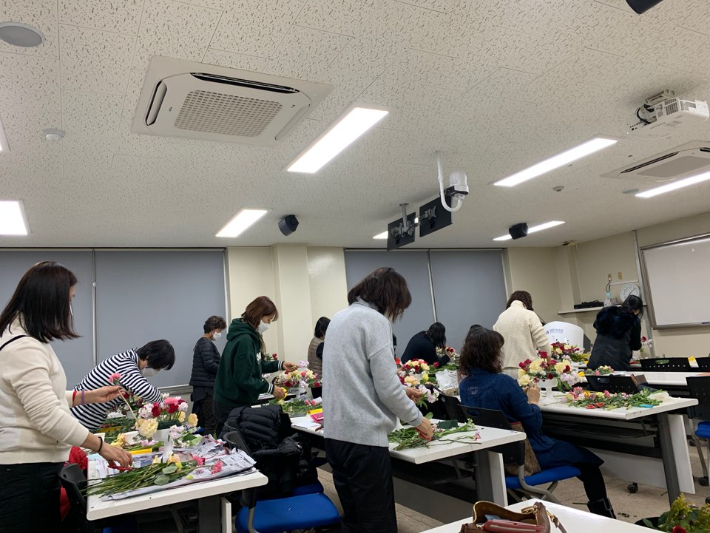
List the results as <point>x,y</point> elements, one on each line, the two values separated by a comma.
<point>602,507</point>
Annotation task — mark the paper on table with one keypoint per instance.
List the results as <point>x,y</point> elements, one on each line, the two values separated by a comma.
<point>305,422</point>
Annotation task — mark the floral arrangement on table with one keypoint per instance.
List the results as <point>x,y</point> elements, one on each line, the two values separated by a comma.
<point>408,437</point>
<point>302,377</point>
<point>546,368</point>
<point>429,395</point>
<point>683,518</point>
<point>296,406</point>
<point>169,412</point>
<point>646,343</point>
<point>450,352</point>
<point>600,371</point>
<point>408,372</point>
<point>579,397</point>
<point>562,350</point>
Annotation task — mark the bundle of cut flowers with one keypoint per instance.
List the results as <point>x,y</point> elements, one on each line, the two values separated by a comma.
<point>408,437</point>
<point>579,397</point>
<point>683,518</point>
<point>450,352</point>
<point>170,411</point>
<point>532,371</point>
<point>600,371</point>
<point>296,406</point>
<point>407,372</point>
<point>302,377</point>
<point>563,350</point>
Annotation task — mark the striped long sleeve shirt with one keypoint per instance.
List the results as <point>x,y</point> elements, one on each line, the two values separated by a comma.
<point>93,415</point>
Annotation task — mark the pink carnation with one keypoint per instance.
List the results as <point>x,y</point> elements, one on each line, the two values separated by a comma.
<point>217,468</point>
<point>199,460</point>
<point>114,378</point>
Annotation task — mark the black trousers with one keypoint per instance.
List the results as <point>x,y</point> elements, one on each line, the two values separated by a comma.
<point>363,478</point>
<point>593,481</point>
<point>205,414</point>
<point>29,497</point>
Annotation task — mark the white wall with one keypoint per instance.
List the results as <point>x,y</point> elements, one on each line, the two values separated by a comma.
<point>329,290</point>
<point>534,270</point>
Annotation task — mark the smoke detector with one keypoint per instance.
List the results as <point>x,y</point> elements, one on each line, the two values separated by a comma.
<point>19,34</point>
<point>53,134</point>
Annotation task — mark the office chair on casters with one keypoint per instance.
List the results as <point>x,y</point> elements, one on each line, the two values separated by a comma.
<point>700,389</point>
<point>302,511</point>
<point>514,454</point>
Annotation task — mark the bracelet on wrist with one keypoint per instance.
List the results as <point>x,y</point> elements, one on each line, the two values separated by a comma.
<point>82,398</point>
<point>101,444</point>
<point>73,398</point>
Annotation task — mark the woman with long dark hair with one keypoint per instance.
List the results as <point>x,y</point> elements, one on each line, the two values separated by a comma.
<point>522,330</point>
<point>240,377</point>
<point>424,344</point>
<point>363,398</point>
<point>618,335</point>
<point>36,428</point>
<point>485,386</point>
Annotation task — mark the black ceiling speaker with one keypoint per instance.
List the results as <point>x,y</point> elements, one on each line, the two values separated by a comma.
<point>518,231</point>
<point>641,6</point>
<point>288,224</point>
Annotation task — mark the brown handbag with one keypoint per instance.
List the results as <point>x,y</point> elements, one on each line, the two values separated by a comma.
<point>535,514</point>
<point>531,464</point>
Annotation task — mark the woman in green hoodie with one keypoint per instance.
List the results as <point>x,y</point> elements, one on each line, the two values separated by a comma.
<point>240,377</point>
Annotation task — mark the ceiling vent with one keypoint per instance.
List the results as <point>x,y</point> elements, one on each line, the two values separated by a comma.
<point>202,102</point>
<point>683,161</point>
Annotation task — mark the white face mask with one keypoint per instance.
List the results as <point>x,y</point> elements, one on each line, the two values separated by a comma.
<point>148,372</point>
<point>262,327</point>
<point>217,335</point>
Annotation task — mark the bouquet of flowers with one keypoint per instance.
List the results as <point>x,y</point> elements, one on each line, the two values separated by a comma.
<point>544,367</point>
<point>450,352</point>
<point>600,371</point>
<point>270,357</point>
<point>561,350</point>
<point>646,343</point>
<point>302,377</point>
<point>115,379</point>
<point>579,397</point>
<point>407,372</point>
<point>171,411</point>
<point>683,518</point>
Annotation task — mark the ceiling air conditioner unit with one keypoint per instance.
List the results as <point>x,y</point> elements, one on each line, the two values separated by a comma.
<point>202,102</point>
<point>683,161</point>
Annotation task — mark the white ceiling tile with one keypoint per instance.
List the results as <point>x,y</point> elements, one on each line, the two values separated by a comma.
<point>95,61</point>
<point>431,31</point>
<point>255,27</point>
<point>42,14</point>
<point>368,57</point>
<point>121,16</point>
<point>346,89</point>
<point>28,83</point>
<point>91,115</point>
<point>347,17</point>
<point>232,60</point>
<point>133,92</point>
<point>504,84</point>
<point>174,29</point>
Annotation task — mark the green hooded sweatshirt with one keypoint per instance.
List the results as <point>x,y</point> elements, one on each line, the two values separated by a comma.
<point>239,378</point>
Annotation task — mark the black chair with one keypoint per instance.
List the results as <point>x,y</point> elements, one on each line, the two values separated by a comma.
<point>514,454</point>
<point>667,364</point>
<point>699,388</point>
<point>616,384</point>
<point>452,405</point>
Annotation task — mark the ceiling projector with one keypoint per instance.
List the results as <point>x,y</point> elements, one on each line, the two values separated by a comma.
<point>664,114</point>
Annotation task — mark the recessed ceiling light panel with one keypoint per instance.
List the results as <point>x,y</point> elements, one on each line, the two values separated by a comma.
<point>4,147</point>
<point>687,182</point>
<point>241,222</point>
<point>19,34</point>
<point>12,218</point>
<point>533,229</point>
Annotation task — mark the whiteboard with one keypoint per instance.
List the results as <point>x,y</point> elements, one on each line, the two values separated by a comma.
<point>677,282</point>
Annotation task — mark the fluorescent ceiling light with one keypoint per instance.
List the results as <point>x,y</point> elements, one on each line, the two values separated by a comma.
<point>343,133</point>
<point>240,223</point>
<point>3,140</point>
<point>557,161</point>
<point>675,185</point>
<point>534,229</point>
<point>12,218</point>
<point>382,235</point>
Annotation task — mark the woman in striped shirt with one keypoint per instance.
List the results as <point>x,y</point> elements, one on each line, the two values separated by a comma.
<point>133,366</point>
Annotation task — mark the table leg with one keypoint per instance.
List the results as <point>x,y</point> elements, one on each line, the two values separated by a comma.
<point>210,518</point>
<point>669,466</point>
<point>490,477</point>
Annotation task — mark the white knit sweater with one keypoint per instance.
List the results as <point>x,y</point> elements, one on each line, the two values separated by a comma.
<point>523,333</point>
<point>35,423</point>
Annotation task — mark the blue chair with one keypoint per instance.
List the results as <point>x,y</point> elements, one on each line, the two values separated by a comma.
<point>307,508</point>
<point>514,454</point>
<point>699,388</point>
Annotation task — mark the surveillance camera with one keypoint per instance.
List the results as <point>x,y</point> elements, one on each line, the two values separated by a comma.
<point>288,224</point>
<point>458,184</point>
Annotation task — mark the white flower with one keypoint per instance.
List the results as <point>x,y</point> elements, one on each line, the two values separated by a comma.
<point>536,366</point>
<point>182,407</point>
<point>524,380</point>
<point>303,364</point>
<point>521,372</point>
<point>176,432</point>
<point>146,411</point>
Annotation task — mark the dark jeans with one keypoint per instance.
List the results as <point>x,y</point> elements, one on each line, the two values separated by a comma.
<point>363,478</point>
<point>593,481</point>
<point>221,413</point>
<point>205,414</point>
<point>29,497</point>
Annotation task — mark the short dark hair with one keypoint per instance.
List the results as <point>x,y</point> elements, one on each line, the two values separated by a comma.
<point>214,322</point>
<point>259,308</point>
<point>437,334</point>
<point>41,301</point>
<point>522,296</point>
<point>386,289</point>
<point>159,354</point>
<point>321,327</point>
<point>482,349</point>
<point>631,304</point>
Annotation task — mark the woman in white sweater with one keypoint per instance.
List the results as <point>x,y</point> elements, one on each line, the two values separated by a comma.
<point>523,332</point>
<point>36,427</point>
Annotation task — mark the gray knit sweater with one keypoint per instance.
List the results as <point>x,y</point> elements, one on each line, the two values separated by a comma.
<point>362,395</point>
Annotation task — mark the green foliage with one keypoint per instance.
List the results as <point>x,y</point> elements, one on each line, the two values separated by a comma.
<point>690,517</point>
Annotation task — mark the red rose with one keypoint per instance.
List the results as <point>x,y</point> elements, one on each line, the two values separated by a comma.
<point>397,362</point>
<point>436,365</point>
<point>567,368</point>
<point>678,529</point>
<point>156,410</point>
<point>543,355</point>
<point>172,408</point>
<point>644,339</point>
<point>550,376</point>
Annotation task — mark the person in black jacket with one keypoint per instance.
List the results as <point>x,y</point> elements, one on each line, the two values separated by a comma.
<point>205,363</point>
<point>424,344</point>
<point>618,335</point>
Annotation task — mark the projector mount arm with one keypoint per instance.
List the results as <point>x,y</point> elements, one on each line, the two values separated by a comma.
<point>446,193</point>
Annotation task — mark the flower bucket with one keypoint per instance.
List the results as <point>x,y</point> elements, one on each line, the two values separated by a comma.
<point>546,385</point>
<point>162,435</point>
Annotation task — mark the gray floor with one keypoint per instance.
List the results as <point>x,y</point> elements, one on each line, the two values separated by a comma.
<point>648,501</point>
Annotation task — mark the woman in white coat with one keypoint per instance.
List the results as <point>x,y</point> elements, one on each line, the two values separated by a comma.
<point>523,332</point>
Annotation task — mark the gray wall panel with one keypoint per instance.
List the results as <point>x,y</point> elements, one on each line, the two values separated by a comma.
<point>76,355</point>
<point>148,295</point>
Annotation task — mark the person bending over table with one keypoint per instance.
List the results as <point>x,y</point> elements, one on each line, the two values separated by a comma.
<point>315,359</point>
<point>36,429</point>
<point>618,335</point>
<point>240,378</point>
<point>423,345</point>
<point>522,330</point>
<point>205,363</point>
<point>134,366</point>
<point>362,399</point>
<point>485,386</point>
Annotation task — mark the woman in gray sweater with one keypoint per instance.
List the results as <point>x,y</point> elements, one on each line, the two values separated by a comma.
<point>362,400</point>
